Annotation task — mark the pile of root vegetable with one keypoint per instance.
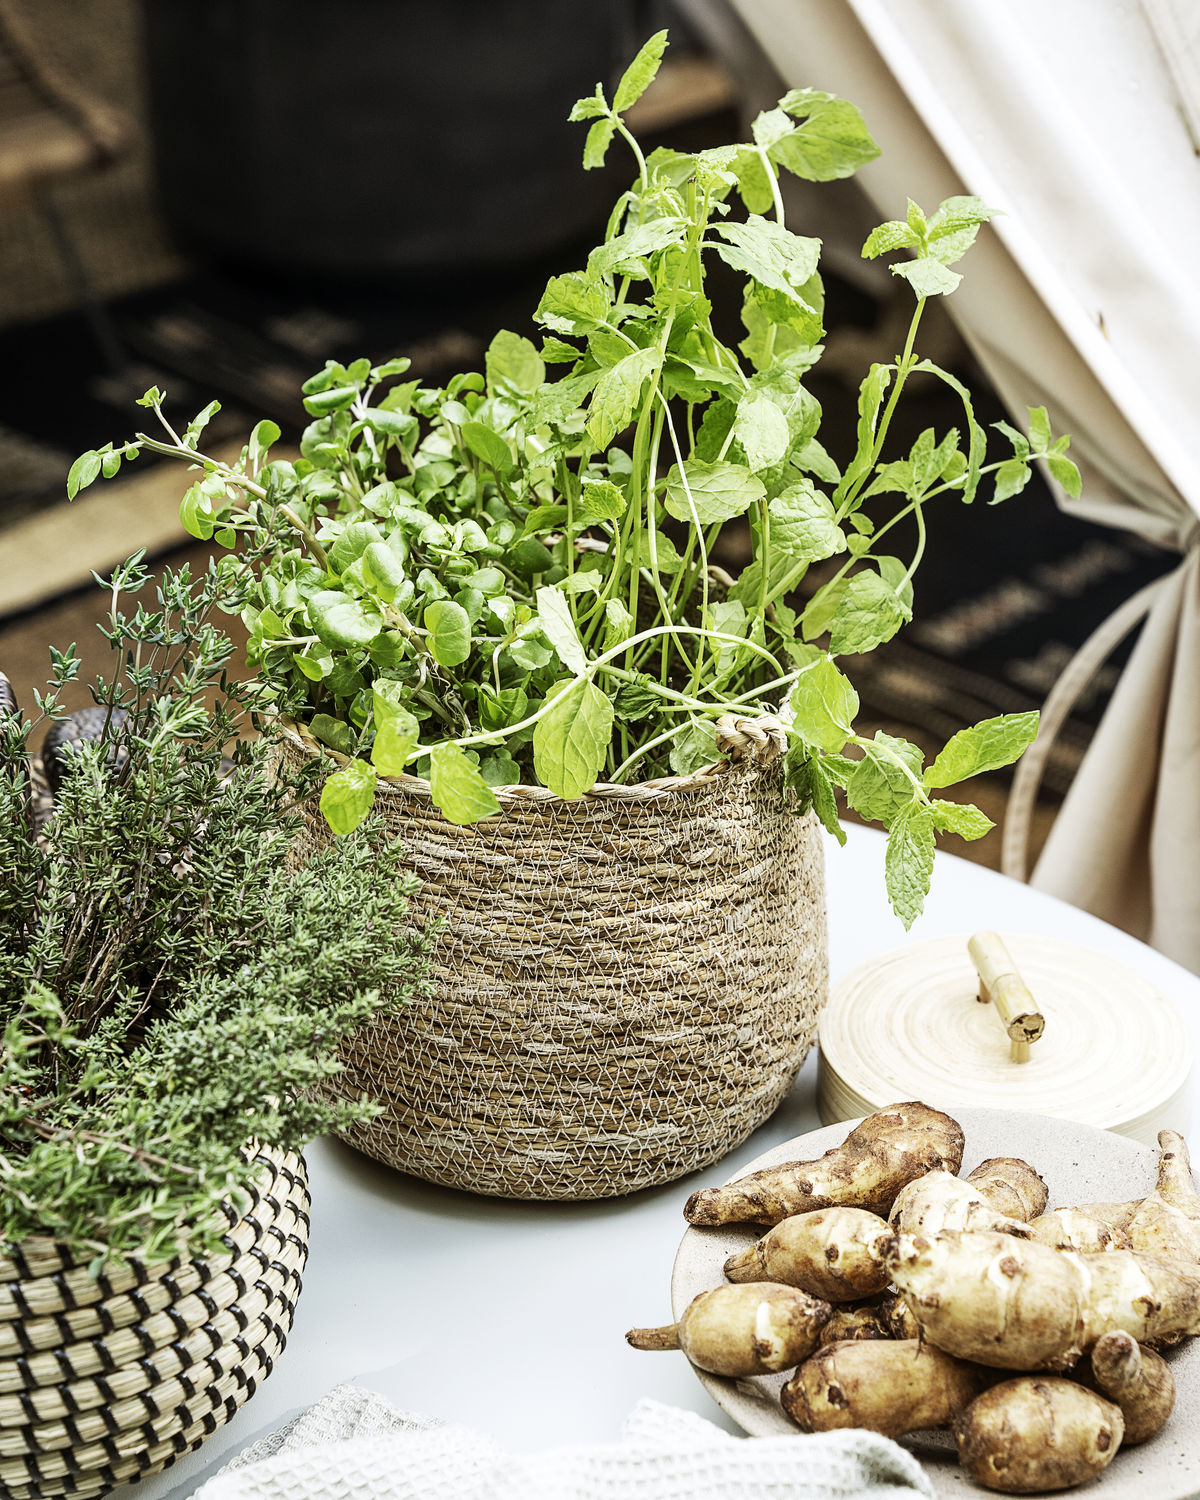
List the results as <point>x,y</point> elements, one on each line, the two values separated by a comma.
<point>908,1298</point>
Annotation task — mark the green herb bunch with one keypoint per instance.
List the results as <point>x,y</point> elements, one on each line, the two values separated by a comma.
<point>509,578</point>
<point>170,986</point>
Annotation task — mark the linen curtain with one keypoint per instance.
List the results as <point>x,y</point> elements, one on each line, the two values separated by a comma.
<point>1080,119</point>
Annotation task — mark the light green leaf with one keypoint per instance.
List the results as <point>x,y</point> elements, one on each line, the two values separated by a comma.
<point>558,626</point>
<point>908,865</point>
<point>570,741</point>
<point>825,705</point>
<point>348,796</point>
<point>599,139</point>
<point>640,73</point>
<point>868,613</point>
<point>339,620</point>
<point>717,491</point>
<point>753,180</point>
<point>762,430</point>
<point>766,341</point>
<point>870,398</point>
<point>927,277</point>
<point>728,617</point>
<point>619,624</point>
<point>962,818</point>
<point>1011,478</point>
<point>695,748</point>
<point>195,515</point>
<point>1066,473</point>
<point>458,789</point>
<point>352,543</point>
<point>986,746</point>
<point>513,364</point>
<point>449,630</point>
<point>487,445</point>
<point>558,352</point>
<point>624,251</point>
<point>804,524</point>
<point>1039,429</point>
<point>617,394</point>
<point>884,782</point>
<point>820,789</point>
<point>820,609</point>
<point>84,471</point>
<point>397,733</point>
<point>771,126</point>
<point>383,571</point>
<point>772,255</point>
<point>601,500</point>
<point>813,457</point>
<point>572,303</point>
<point>832,142</point>
<point>590,107</point>
<point>335,733</point>
<point>888,237</point>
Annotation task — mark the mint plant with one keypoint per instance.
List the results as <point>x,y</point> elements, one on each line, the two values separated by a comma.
<point>509,578</point>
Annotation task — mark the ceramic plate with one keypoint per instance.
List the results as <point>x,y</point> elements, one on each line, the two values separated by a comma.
<point>1080,1165</point>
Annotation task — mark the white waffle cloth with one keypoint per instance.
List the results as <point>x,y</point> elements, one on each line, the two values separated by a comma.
<point>354,1446</point>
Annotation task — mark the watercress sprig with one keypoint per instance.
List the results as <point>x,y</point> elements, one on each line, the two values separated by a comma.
<point>509,578</point>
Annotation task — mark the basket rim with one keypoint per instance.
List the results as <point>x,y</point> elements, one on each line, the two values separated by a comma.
<point>299,735</point>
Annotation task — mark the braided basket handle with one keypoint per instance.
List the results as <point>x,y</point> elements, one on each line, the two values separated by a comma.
<point>759,739</point>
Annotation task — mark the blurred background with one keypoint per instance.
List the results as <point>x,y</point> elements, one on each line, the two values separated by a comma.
<point>214,196</point>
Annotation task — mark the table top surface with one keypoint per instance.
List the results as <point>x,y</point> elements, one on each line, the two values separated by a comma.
<point>510,1317</point>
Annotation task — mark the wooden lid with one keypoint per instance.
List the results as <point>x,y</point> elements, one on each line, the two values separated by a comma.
<point>908,1024</point>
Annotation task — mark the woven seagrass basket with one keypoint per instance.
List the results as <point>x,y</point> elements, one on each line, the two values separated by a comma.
<point>625,984</point>
<point>108,1378</point>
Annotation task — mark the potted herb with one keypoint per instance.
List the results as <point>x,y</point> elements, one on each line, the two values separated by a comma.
<point>492,606</point>
<point>171,992</point>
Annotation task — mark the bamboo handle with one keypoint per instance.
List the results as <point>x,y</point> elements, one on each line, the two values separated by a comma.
<point>1000,983</point>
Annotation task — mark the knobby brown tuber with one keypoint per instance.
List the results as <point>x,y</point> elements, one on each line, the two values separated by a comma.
<point>1138,1380</point>
<point>834,1253</point>
<point>1037,1433</point>
<point>754,1329</point>
<point>939,1200</point>
<point>887,1150</point>
<point>863,1322</point>
<point>1072,1229</point>
<point>1018,1305</point>
<point>887,1387</point>
<point>1011,1186</point>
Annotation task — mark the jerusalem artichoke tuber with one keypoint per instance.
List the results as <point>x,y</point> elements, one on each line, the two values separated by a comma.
<point>939,1200</point>
<point>862,1322</point>
<point>1167,1221</point>
<point>742,1330</point>
<point>1011,1186</point>
<point>1018,1305</point>
<point>887,1150</point>
<point>883,1386</point>
<point>834,1253</point>
<point>1037,1433</point>
<point>1072,1229</point>
<point>1138,1380</point>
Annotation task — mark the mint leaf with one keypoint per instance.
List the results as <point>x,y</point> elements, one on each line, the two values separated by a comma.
<point>772,255</point>
<point>962,818</point>
<point>640,73</point>
<point>599,139</point>
<point>397,733</point>
<point>449,630</point>
<point>554,616</point>
<point>617,394</point>
<point>927,277</point>
<point>590,107</point>
<point>888,237</point>
<point>457,788</point>
<point>824,704</point>
<point>348,796</point>
<point>986,746</point>
<point>487,445</point>
<point>618,624</point>
<point>512,363</point>
<point>623,252</point>
<point>1066,473</point>
<point>570,741</point>
<point>762,430</point>
<point>771,126</point>
<point>804,524</point>
<point>695,748</point>
<point>718,491</point>
<point>572,303</point>
<point>868,613</point>
<point>820,790</point>
<point>908,864</point>
<point>601,500</point>
<point>871,392</point>
<point>821,608</point>
<point>1011,478</point>
<point>753,180</point>
<point>1039,429</point>
<point>339,620</point>
<point>886,781</point>
<point>832,142</point>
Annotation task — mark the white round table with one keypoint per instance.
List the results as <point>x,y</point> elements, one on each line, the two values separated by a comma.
<point>510,1317</point>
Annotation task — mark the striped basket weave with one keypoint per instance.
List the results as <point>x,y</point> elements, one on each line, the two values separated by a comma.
<point>626,983</point>
<point>108,1378</point>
